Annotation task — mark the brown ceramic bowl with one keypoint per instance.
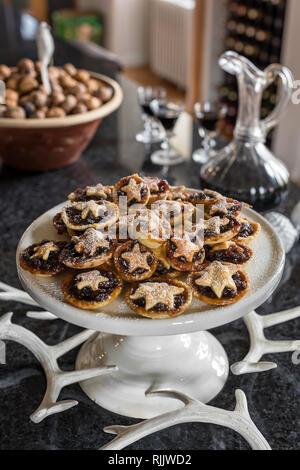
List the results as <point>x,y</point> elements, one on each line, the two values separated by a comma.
<point>45,144</point>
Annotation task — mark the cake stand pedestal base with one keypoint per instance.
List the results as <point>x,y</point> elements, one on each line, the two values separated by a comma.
<point>195,364</point>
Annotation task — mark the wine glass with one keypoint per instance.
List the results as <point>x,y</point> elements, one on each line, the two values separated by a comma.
<point>209,115</point>
<point>167,112</point>
<point>153,131</point>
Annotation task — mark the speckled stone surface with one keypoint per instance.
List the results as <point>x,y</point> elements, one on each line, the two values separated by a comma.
<point>273,397</point>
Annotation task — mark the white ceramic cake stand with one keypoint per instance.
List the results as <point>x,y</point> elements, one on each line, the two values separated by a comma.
<point>150,354</point>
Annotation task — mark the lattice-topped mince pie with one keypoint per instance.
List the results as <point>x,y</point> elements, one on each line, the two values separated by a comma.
<point>157,234</point>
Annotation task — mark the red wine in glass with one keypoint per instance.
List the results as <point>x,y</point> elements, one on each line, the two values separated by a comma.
<point>153,131</point>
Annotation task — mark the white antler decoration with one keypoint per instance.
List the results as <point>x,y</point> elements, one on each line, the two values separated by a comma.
<point>259,345</point>
<point>48,355</point>
<point>193,411</point>
<point>17,295</point>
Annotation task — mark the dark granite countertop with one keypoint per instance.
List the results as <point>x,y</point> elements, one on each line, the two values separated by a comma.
<point>273,396</point>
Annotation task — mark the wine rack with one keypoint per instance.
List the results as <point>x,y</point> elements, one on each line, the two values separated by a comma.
<point>254,29</point>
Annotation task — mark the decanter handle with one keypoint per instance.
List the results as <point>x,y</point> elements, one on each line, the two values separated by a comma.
<point>272,72</point>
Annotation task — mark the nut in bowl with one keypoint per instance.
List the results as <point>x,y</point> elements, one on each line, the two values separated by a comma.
<point>39,132</point>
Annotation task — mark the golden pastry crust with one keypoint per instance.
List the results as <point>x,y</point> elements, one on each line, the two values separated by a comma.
<point>176,293</point>
<point>79,216</point>
<point>185,253</point>
<point>89,250</point>
<point>246,239</point>
<point>181,193</point>
<point>43,259</point>
<point>218,230</point>
<point>134,188</point>
<point>159,188</point>
<point>164,270</point>
<point>97,192</point>
<point>229,252</point>
<point>84,303</point>
<point>134,262</point>
<point>212,299</point>
<point>222,207</point>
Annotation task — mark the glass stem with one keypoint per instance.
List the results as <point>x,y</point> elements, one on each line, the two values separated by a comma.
<point>148,124</point>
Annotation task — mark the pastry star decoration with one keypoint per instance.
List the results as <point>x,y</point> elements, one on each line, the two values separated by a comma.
<point>90,241</point>
<point>221,206</point>
<point>214,224</point>
<point>185,247</point>
<point>98,190</point>
<point>136,258</point>
<point>44,250</point>
<point>217,276</point>
<point>90,279</point>
<point>156,293</point>
<point>86,207</point>
<point>152,183</point>
<point>133,190</point>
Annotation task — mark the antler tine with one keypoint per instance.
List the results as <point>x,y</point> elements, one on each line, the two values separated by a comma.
<point>193,411</point>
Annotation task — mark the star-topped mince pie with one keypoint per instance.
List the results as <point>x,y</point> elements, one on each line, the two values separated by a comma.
<point>146,226</point>
<point>221,206</point>
<point>228,252</point>
<point>176,212</point>
<point>181,193</point>
<point>185,253</point>
<point>219,283</point>
<point>92,289</point>
<point>217,229</point>
<point>80,216</point>
<point>248,231</point>
<point>159,298</point>
<point>159,189</point>
<point>92,193</point>
<point>134,262</point>
<point>89,250</point>
<point>133,188</point>
<point>43,258</point>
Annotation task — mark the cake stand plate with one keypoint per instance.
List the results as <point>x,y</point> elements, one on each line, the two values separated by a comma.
<point>176,353</point>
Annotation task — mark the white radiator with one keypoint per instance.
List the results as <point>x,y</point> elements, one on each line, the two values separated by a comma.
<point>171,39</point>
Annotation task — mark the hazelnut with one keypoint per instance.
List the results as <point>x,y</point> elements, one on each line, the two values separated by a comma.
<point>78,90</point>
<point>39,98</point>
<point>14,112</point>
<point>105,93</point>
<point>43,89</point>
<point>56,88</point>
<point>25,98</point>
<point>57,98</point>
<point>67,82</point>
<point>38,114</point>
<point>79,109</point>
<point>82,76</point>
<point>26,66</point>
<point>93,85</point>
<point>11,103</point>
<point>5,71</point>
<point>70,69</point>
<point>69,103</point>
<point>28,84</point>
<point>12,83</point>
<point>11,95</point>
<point>29,108</point>
<point>54,72</point>
<point>93,103</point>
<point>55,112</point>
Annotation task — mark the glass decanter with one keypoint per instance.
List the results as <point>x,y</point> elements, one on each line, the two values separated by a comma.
<point>246,169</point>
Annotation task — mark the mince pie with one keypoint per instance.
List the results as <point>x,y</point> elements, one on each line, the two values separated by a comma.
<point>89,250</point>
<point>80,216</point>
<point>43,259</point>
<point>159,189</point>
<point>248,231</point>
<point>92,193</point>
<point>180,193</point>
<point>134,188</point>
<point>164,268</point>
<point>228,252</point>
<point>159,298</point>
<point>134,262</point>
<point>221,206</point>
<point>219,283</point>
<point>92,289</point>
<point>185,253</point>
<point>217,229</point>
<point>146,226</point>
<point>59,224</point>
<point>176,212</point>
